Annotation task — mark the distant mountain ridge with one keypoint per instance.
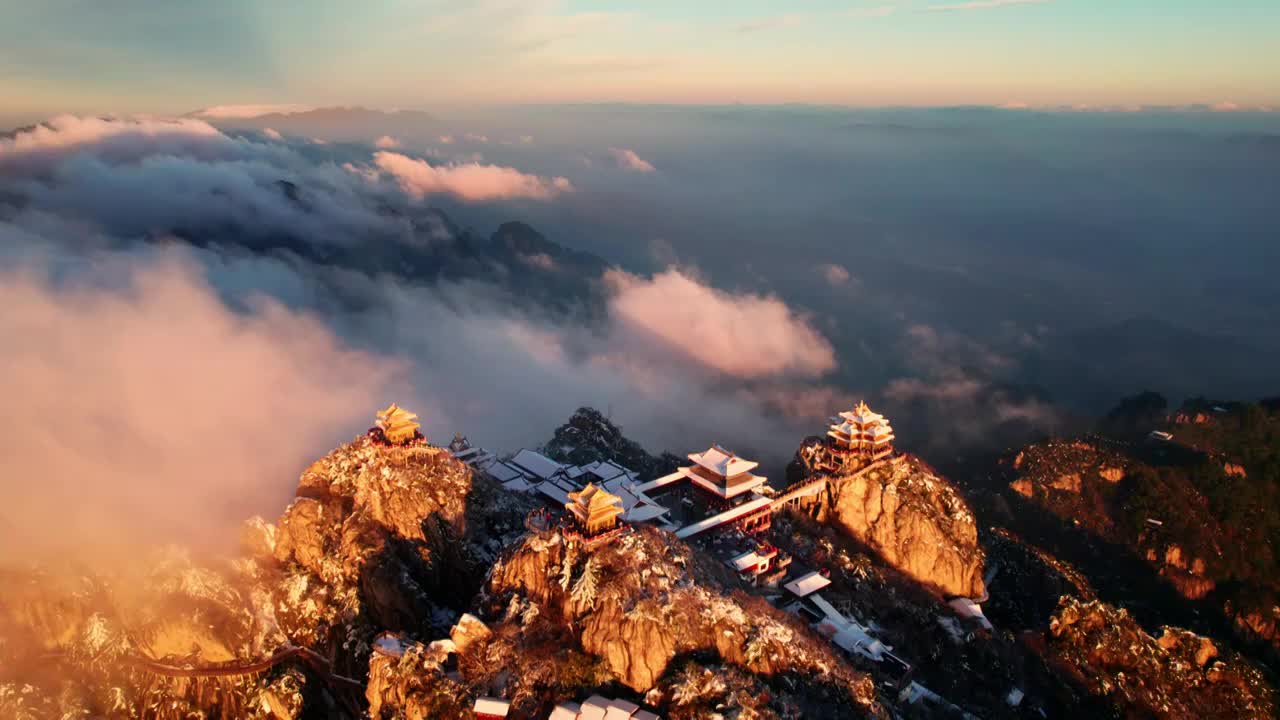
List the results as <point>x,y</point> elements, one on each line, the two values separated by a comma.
<point>515,257</point>
<point>331,123</point>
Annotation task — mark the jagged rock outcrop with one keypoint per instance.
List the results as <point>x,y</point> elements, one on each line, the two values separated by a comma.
<point>410,682</point>
<point>1077,481</point>
<point>640,608</point>
<point>406,539</point>
<point>911,517</point>
<point>397,535</point>
<point>1188,577</point>
<point>1256,624</point>
<point>74,645</point>
<point>1202,522</point>
<point>589,436</point>
<point>1178,675</point>
<point>377,538</point>
<point>1073,479</point>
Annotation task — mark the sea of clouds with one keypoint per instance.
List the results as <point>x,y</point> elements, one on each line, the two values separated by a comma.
<point>163,379</point>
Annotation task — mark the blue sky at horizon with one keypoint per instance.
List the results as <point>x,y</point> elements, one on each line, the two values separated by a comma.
<point>140,56</point>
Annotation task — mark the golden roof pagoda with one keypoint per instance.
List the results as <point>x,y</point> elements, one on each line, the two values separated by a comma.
<point>862,431</point>
<point>595,508</point>
<point>397,424</point>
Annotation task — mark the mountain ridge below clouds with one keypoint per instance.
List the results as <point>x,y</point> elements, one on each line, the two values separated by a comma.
<point>321,122</point>
<point>514,257</point>
<point>422,585</point>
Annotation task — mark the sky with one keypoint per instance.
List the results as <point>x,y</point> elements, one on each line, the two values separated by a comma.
<point>142,56</point>
<point>782,212</point>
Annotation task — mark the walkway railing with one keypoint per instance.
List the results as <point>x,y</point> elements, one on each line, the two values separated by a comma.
<point>812,485</point>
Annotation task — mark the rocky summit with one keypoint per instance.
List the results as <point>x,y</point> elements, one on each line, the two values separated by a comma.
<point>913,519</point>
<point>401,582</point>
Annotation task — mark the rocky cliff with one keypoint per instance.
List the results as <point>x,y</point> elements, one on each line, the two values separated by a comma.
<point>647,611</point>
<point>377,538</point>
<point>588,436</point>
<point>1201,521</point>
<point>73,644</point>
<point>388,538</point>
<point>1175,675</point>
<point>399,584</point>
<point>899,508</point>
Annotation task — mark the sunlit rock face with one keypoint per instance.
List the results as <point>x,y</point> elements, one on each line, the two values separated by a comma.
<point>402,535</point>
<point>915,520</point>
<point>377,538</point>
<point>1191,509</point>
<point>385,520</point>
<point>1176,675</point>
<point>641,609</point>
<point>72,641</point>
<point>1072,478</point>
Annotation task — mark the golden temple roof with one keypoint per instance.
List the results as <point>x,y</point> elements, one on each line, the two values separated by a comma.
<point>593,504</point>
<point>397,423</point>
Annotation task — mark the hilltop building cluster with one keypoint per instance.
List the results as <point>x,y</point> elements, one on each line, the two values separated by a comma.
<point>718,500</point>
<point>595,707</point>
<point>718,491</point>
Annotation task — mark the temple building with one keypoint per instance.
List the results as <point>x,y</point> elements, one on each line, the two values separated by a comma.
<point>488,708</point>
<point>718,489</point>
<point>759,564</point>
<point>595,510</point>
<point>397,425</point>
<point>861,432</point>
<point>474,457</point>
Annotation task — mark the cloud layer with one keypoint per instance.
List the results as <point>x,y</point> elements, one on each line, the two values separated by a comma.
<point>629,160</point>
<point>243,112</point>
<point>473,182</point>
<point>111,139</point>
<point>145,410</point>
<point>743,335</point>
<point>176,382</point>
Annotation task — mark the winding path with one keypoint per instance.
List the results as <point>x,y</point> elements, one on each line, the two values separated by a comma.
<point>313,659</point>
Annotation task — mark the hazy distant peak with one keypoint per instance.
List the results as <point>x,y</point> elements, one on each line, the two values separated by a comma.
<point>259,112</point>
<point>243,112</point>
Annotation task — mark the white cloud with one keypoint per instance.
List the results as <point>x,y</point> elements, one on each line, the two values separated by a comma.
<point>244,112</point>
<point>982,5</point>
<point>138,177</point>
<point>1229,106</point>
<point>112,138</point>
<point>469,181</point>
<point>834,274</point>
<point>629,160</point>
<point>272,134</point>
<point>167,407</point>
<point>386,142</point>
<point>743,335</point>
